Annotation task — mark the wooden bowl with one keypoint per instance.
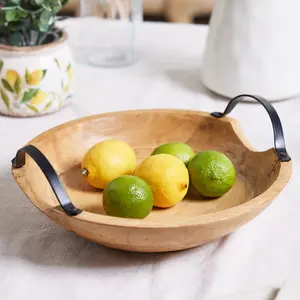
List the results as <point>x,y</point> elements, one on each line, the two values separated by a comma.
<point>194,221</point>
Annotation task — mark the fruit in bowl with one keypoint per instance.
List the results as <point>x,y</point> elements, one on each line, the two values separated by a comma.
<point>181,150</point>
<point>212,173</point>
<point>168,177</point>
<point>128,197</point>
<point>106,161</point>
<point>162,179</point>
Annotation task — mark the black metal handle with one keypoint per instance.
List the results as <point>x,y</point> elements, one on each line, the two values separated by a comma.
<point>279,142</point>
<point>51,175</point>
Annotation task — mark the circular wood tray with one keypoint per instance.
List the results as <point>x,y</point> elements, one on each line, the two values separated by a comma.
<point>72,203</point>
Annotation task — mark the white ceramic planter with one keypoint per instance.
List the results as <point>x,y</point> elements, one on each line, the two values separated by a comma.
<point>35,80</point>
<point>253,46</point>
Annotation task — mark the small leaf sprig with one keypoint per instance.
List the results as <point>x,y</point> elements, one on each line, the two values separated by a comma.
<point>29,22</point>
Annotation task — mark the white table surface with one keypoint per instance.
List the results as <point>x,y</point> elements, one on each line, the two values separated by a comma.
<point>39,260</point>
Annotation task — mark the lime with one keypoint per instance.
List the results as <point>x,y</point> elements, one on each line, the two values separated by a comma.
<point>106,161</point>
<point>167,176</point>
<point>128,197</point>
<point>181,150</point>
<point>212,173</point>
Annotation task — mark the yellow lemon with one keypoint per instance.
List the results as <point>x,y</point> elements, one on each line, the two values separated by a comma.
<point>70,74</point>
<point>35,77</point>
<point>11,76</point>
<point>39,98</point>
<point>167,176</point>
<point>66,88</point>
<point>106,161</point>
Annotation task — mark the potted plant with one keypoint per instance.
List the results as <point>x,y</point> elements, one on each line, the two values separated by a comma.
<point>35,60</point>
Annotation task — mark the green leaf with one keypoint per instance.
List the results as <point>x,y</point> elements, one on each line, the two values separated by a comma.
<point>6,8</point>
<point>7,85</point>
<point>69,67</point>
<point>48,105</point>
<point>33,108</point>
<point>4,98</point>
<point>16,1</point>
<point>56,9</point>
<point>28,95</point>
<point>64,2</point>
<point>46,17</point>
<point>44,73</point>
<point>18,86</point>
<point>16,39</point>
<point>43,27</point>
<point>22,14</point>
<point>11,15</point>
<point>2,18</point>
<point>1,65</point>
<point>57,62</point>
<point>46,7</point>
<point>27,75</point>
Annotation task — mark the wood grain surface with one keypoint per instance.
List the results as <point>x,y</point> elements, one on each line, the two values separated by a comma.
<point>194,221</point>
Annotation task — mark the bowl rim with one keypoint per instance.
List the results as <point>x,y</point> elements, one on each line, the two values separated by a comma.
<point>255,203</point>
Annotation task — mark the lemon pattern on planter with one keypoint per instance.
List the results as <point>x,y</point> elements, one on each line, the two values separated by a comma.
<point>12,81</point>
<point>16,92</point>
<point>70,76</point>
<point>66,82</point>
<point>35,77</point>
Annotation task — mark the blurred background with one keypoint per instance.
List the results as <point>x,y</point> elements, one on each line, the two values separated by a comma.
<point>178,11</point>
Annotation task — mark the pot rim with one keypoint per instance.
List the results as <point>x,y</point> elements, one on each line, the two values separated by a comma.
<point>32,49</point>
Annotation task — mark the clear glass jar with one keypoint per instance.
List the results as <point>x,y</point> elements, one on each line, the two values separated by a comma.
<point>109,31</point>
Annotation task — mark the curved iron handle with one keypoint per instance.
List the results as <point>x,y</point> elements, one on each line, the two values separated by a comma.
<point>279,142</point>
<point>51,175</point>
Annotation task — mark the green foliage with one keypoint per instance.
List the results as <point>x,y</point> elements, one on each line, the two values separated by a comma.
<point>29,22</point>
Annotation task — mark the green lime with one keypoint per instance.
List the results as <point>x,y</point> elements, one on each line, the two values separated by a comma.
<point>128,197</point>
<point>212,173</point>
<point>181,150</point>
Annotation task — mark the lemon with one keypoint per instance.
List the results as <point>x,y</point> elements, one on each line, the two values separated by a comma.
<point>11,76</point>
<point>35,77</point>
<point>70,73</point>
<point>180,150</point>
<point>106,161</point>
<point>39,98</point>
<point>212,173</point>
<point>128,197</point>
<point>167,176</point>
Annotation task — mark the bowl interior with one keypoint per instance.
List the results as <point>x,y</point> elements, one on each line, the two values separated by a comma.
<point>65,146</point>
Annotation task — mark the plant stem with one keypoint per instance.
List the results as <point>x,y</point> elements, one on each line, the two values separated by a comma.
<point>41,38</point>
